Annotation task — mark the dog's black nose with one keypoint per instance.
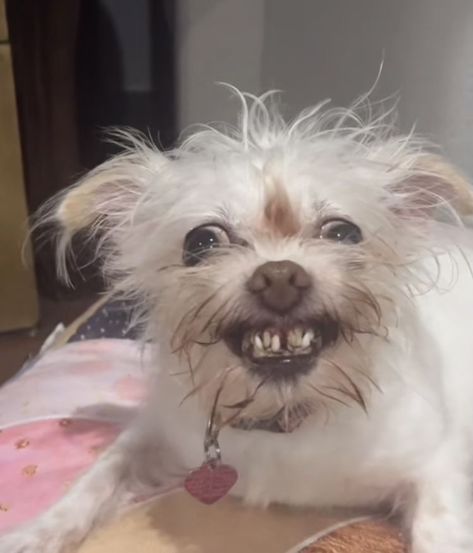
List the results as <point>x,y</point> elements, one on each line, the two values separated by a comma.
<point>280,285</point>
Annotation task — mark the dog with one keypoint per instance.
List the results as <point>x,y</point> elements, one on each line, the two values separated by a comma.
<point>306,286</point>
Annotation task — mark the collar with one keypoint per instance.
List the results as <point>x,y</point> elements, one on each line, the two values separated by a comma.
<point>281,423</point>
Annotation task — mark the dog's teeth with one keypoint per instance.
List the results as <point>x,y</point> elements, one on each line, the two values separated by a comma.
<point>266,339</point>
<point>291,339</point>
<point>275,343</point>
<point>258,342</point>
<point>271,343</point>
<point>307,339</point>
<point>297,336</point>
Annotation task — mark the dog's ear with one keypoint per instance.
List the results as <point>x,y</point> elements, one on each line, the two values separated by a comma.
<point>108,192</point>
<point>101,193</point>
<point>104,202</point>
<point>435,186</point>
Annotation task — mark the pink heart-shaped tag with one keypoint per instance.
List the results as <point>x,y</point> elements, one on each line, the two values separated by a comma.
<point>209,483</point>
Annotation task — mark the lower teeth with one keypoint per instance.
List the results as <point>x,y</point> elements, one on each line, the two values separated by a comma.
<point>281,353</point>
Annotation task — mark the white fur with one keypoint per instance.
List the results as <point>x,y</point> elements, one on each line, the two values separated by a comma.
<point>411,449</point>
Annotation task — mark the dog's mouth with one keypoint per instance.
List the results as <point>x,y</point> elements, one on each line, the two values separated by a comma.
<point>282,351</point>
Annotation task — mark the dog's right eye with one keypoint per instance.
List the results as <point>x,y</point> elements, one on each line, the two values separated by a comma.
<point>202,240</point>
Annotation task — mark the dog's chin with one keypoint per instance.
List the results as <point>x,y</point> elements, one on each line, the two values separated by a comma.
<point>282,350</point>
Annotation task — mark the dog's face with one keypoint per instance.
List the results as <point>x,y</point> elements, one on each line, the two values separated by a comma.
<point>276,266</point>
<point>279,277</point>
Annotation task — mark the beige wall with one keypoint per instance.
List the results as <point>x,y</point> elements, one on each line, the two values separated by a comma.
<point>314,49</point>
<point>218,40</point>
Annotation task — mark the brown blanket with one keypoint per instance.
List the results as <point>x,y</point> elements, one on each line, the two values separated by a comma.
<point>178,524</point>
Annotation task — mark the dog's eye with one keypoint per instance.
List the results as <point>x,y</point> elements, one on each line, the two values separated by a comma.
<point>200,241</point>
<point>340,230</point>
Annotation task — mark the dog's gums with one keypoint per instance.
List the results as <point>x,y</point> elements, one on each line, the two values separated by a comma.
<point>281,351</point>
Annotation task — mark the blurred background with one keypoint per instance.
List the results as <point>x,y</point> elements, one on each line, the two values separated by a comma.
<point>71,68</point>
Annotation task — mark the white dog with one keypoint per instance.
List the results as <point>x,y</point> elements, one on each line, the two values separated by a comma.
<point>308,288</point>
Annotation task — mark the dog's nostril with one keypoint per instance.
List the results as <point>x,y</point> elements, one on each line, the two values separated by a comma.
<point>300,279</point>
<point>258,282</point>
<point>279,284</point>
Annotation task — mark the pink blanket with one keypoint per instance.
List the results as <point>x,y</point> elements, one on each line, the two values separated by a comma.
<point>57,416</point>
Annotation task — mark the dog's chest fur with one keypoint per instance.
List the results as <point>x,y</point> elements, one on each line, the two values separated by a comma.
<point>355,459</point>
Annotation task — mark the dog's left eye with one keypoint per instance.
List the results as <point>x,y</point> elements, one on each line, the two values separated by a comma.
<point>340,230</point>
<point>202,240</point>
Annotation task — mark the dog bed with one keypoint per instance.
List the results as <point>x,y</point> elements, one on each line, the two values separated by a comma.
<point>73,400</point>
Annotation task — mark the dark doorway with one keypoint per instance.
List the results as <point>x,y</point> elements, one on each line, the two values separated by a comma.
<point>71,86</point>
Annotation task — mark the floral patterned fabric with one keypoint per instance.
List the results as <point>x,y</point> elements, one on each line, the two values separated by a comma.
<point>58,415</point>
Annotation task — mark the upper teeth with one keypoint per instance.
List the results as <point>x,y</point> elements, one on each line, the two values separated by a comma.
<point>266,339</point>
<point>307,339</point>
<point>295,341</point>
<point>294,337</point>
<point>258,341</point>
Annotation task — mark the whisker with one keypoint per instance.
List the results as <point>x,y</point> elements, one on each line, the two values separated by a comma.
<point>194,391</point>
<point>189,364</point>
<point>216,314</point>
<point>357,394</point>
<point>169,267</point>
<point>193,312</point>
<point>198,388</point>
<point>328,396</point>
<point>179,373</point>
<point>207,344</point>
<point>370,379</point>
<point>187,337</point>
<point>351,395</point>
<point>242,405</point>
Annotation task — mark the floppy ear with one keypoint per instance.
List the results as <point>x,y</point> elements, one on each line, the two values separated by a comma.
<point>434,186</point>
<point>110,190</point>
<point>103,203</point>
<point>101,193</point>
